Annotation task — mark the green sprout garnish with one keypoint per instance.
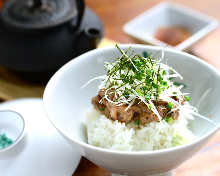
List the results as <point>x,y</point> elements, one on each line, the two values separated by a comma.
<point>169,106</point>
<point>186,98</point>
<point>137,77</point>
<point>132,78</point>
<point>169,119</point>
<point>136,122</point>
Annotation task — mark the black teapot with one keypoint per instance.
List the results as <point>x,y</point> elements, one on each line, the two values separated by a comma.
<point>37,37</point>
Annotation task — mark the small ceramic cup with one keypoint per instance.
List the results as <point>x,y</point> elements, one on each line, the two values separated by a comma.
<point>12,126</point>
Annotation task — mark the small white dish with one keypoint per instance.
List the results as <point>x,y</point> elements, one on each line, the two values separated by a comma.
<point>13,126</point>
<point>42,151</point>
<point>166,14</point>
<point>66,103</point>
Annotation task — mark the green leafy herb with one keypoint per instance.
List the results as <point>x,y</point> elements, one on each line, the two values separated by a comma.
<point>169,106</point>
<point>136,122</point>
<point>186,98</point>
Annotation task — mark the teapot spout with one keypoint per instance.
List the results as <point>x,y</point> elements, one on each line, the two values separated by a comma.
<point>93,35</point>
<point>89,39</point>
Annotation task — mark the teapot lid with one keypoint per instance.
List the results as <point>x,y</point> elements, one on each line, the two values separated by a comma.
<point>37,14</point>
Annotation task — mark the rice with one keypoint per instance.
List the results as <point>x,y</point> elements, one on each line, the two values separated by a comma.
<point>105,133</point>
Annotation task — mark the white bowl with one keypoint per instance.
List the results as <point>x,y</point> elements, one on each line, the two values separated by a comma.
<point>66,103</point>
<point>170,14</point>
<point>12,124</point>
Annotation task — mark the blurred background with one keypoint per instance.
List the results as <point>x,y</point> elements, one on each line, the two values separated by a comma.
<point>37,37</point>
<point>114,14</point>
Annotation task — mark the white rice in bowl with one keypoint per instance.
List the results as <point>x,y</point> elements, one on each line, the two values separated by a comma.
<point>105,133</point>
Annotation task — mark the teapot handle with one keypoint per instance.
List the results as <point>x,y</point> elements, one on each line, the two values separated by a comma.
<point>80,6</point>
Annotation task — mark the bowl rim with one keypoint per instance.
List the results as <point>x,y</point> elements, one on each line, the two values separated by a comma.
<point>21,134</point>
<point>84,56</point>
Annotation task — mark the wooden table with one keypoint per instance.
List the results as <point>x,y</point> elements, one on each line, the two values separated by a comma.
<point>114,14</point>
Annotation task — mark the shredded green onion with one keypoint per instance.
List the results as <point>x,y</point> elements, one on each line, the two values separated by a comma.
<point>169,106</point>
<point>186,98</point>
<point>169,119</point>
<point>133,76</point>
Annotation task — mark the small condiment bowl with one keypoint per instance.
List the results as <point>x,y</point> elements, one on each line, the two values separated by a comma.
<point>144,26</point>
<point>12,124</point>
<point>66,103</point>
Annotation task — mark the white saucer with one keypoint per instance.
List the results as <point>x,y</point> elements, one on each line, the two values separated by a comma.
<point>42,152</point>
